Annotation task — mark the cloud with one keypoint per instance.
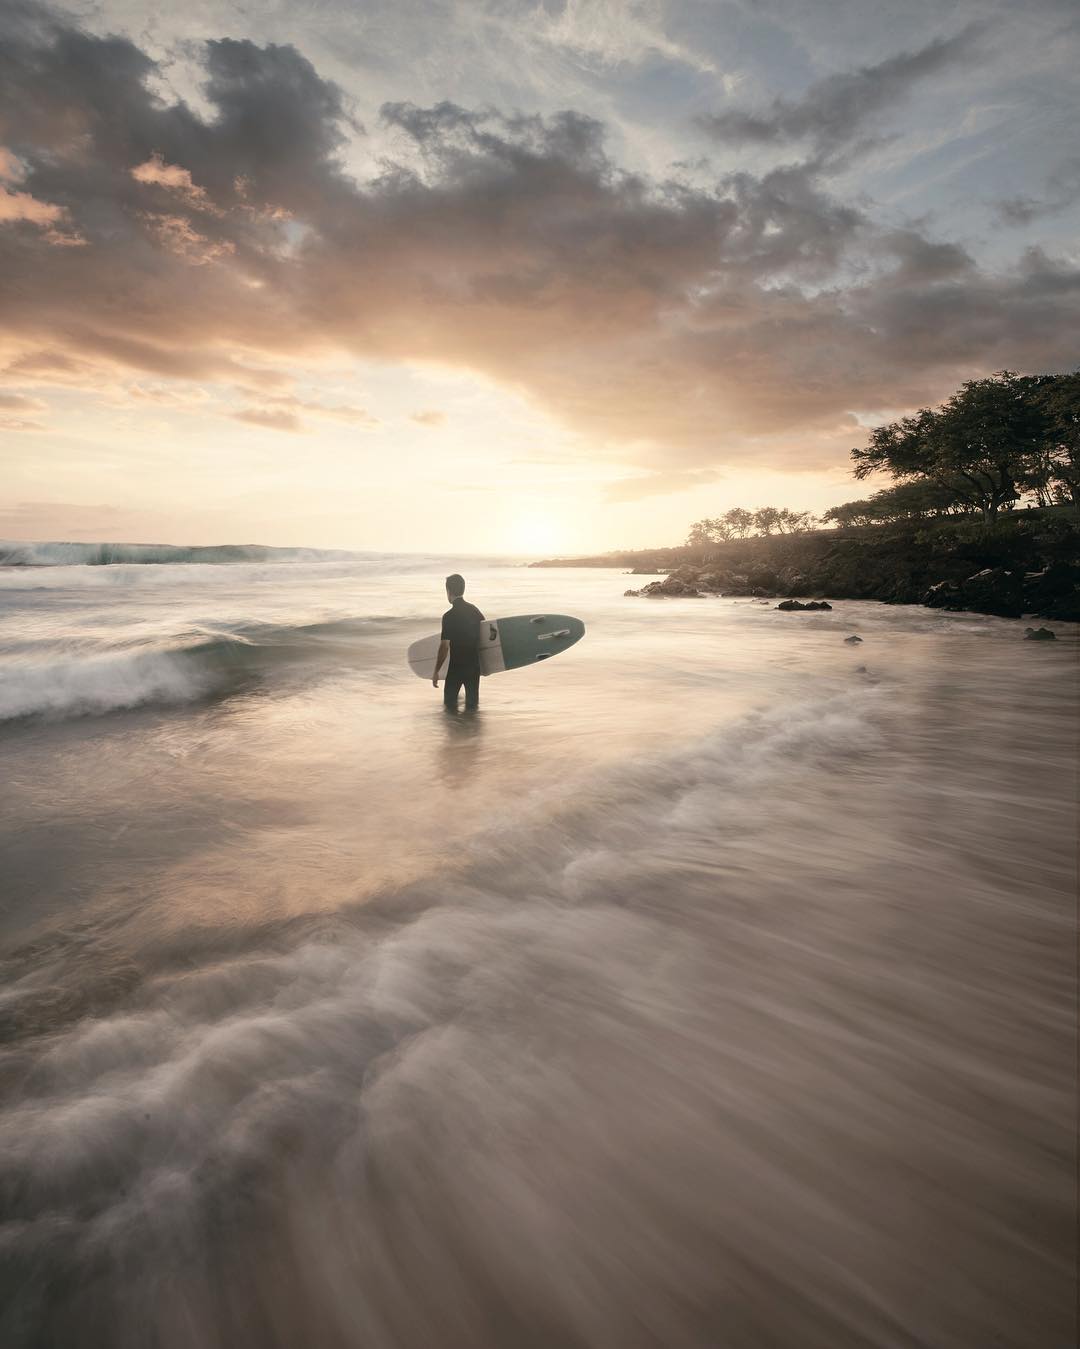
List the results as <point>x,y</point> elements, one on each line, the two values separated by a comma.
<point>22,206</point>
<point>659,484</point>
<point>167,395</point>
<point>16,402</point>
<point>429,417</point>
<point>834,112</point>
<point>179,236</point>
<point>1061,192</point>
<point>274,421</point>
<point>335,412</point>
<point>173,179</point>
<point>610,32</point>
<point>677,326</point>
<point>52,367</point>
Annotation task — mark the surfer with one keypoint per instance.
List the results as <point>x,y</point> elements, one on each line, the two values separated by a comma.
<point>460,637</point>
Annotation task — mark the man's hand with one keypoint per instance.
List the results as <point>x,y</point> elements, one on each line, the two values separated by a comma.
<point>444,651</point>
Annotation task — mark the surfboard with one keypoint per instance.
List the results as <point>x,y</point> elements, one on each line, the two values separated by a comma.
<point>507,643</point>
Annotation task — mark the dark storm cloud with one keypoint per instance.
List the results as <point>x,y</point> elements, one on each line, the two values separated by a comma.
<point>683,320</point>
<point>834,112</point>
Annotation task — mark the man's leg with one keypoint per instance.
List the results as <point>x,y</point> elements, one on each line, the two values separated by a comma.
<point>451,688</point>
<point>472,692</point>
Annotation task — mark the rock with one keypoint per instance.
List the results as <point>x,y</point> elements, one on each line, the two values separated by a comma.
<point>1039,635</point>
<point>994,590</point>
<point>686,576</point>
<point>762,579</point>
<point>943,595</point>
<point>790,606</point>
<point>679,587</point>
<point>852,640</point>
<point>1054,592</point>
<point>861,669</point>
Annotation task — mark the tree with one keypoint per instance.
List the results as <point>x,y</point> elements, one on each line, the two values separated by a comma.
<point>766,520</point>
<point>739,522</point>
<point>849,514</point>
<point>793,522</point>
<point>1058,398</point>
<point>979,444</point>
<point>915,500</point>
<point>704,532</point>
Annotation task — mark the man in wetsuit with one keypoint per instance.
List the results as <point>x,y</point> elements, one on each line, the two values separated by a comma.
<point>460,637</point>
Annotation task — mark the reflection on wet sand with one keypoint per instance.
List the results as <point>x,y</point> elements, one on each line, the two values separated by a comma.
<point>459,749</point>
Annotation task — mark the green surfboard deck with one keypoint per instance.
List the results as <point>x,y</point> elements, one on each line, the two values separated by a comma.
<point>529,638</point>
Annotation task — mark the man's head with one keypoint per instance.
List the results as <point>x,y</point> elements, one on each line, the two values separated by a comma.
<point>455,587</point>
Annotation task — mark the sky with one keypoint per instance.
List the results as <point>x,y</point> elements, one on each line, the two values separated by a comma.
<point>512,276</point>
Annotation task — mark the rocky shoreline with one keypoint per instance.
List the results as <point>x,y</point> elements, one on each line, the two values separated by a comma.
<point>1026,566</point>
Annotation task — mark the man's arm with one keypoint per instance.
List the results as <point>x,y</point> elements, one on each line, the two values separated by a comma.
<point>444,647</point>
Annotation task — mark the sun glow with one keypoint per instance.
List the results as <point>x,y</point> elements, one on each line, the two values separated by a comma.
<point>535,533</point>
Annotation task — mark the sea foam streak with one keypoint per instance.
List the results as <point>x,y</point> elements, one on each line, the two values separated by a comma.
<point>616,1082</point>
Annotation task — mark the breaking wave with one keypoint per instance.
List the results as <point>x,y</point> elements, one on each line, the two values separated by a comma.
<point>112,554</point>
<point>190,667</point>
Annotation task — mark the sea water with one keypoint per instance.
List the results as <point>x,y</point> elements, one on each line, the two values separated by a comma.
<point>713,986</point>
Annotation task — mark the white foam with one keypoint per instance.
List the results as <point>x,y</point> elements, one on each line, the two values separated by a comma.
<point>102,683</point>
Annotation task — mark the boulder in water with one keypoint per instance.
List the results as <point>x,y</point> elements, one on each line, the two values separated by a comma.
<point>994,590</point>
<point>790,606</point>
<point>851,641</point>
<point>1039,635</point>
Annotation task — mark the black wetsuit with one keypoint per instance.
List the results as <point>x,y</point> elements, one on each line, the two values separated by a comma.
<point>461,628</point>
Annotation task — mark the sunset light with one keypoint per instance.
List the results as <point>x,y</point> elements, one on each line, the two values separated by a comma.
<point>539,635</point>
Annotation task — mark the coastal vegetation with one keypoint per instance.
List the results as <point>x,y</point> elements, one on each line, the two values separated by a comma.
<point>982,513</point>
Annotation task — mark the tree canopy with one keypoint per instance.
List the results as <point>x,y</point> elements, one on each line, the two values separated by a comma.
<point>915,500</point>
<point>993,441</point>
<point>1058,398</point>
<point>738,522</point>
<point>986,443</point>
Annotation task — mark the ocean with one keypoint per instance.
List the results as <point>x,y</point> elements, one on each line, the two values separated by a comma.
<point>714,986</point>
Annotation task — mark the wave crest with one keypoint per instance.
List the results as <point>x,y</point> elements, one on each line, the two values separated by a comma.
<point>48,554</point>
<point>193,666</point>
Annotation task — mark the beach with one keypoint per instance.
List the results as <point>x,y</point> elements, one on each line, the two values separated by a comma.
<point>713,985</point>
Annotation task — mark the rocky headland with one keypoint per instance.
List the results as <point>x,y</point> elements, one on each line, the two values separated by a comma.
<point>1027,564</point>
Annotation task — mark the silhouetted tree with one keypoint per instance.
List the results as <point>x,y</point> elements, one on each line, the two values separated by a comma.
<point>1058,472</point>
<point>704,532</point>
<point>850,514</point>
<point>739,521</point>
<point>915,500</point>
<point>766,520</point>
<point>980,443</point>
<point>793,522</point>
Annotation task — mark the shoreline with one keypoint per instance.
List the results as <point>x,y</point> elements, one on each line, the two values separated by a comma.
<point>1025,565</point>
